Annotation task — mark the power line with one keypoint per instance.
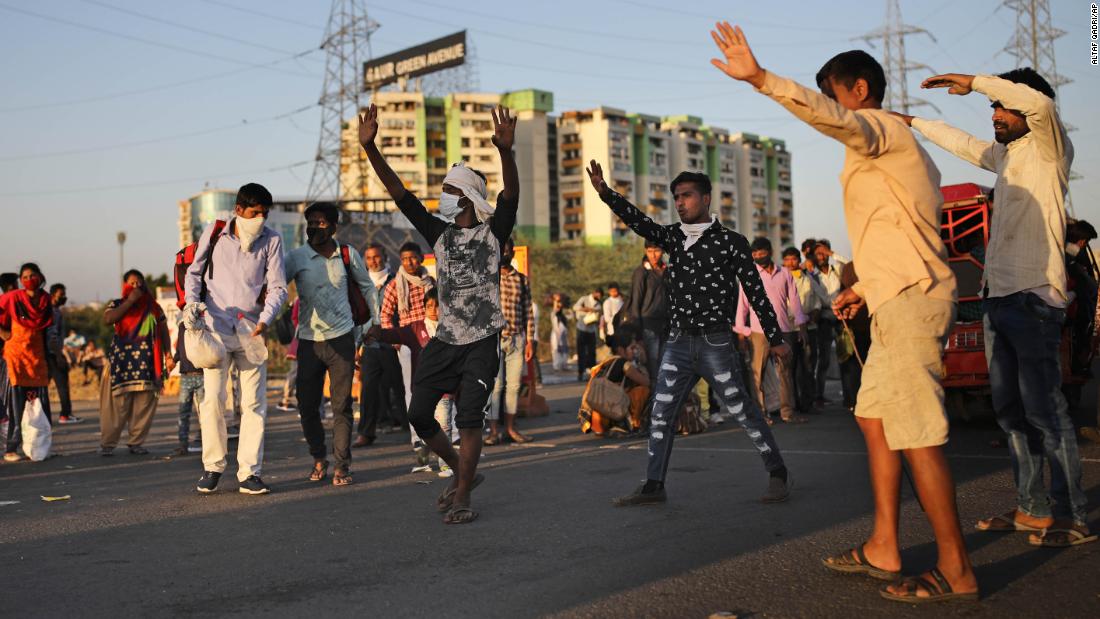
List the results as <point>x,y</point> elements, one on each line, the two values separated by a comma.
<point>270,16</point>
<point>679,10</point>
<point>168,138</point>
<point>131,37</point>
<point>192,179</point>
<point>175,24</point>
<point>141,91</point>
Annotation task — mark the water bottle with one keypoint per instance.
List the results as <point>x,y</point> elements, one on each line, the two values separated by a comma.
<point>255,349</point>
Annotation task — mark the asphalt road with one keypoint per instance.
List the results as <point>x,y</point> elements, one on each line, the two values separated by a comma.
<point>136,539</point>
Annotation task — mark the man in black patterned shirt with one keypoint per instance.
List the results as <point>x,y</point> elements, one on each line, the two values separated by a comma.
<point>706,262</point>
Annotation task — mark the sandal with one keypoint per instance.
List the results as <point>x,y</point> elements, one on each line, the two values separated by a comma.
<point>320,471</point>
<point>460,514</point>
<point>1060,538</point>
<point>519,438</point>
<point>342,478</point>
<point>446,500</point>
<point>938,589</point>
<point>1004,523</point>
<point>138,450</point>
<point>854,561</point>
<point>492,439</point>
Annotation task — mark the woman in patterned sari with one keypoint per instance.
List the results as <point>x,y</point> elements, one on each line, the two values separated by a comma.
<point>140,357</point>
<point>24,316</point>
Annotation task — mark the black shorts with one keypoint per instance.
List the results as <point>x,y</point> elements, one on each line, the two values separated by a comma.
<point>468,371</point>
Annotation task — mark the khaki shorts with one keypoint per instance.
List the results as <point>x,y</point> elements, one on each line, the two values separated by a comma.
<point>902,376</point>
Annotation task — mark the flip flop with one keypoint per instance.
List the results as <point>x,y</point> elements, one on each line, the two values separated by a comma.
<point>1004,523</point>
<point>1065,539</point>
<point>319,473</point>
<point>446,500</point>
<point>342,478</point>
<point>938,589</point>
<point>460,515</point>
<point>854,561</point>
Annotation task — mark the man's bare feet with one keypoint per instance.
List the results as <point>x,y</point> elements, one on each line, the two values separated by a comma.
<point>1014,520</point>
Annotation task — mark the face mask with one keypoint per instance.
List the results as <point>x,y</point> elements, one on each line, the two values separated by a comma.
<point>765,261</point>
<point>1072,249</point>
<point>448,205</point>
<point>248,230</point>
<point>318,236</point>
<point>33,282</point>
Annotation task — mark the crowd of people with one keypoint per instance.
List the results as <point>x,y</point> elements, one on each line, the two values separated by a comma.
<point>446,353</point>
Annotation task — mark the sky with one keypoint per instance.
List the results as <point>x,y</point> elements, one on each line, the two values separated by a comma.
<point>115,110</point>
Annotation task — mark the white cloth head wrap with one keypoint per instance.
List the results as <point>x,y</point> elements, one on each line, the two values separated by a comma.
<point>473,187</point>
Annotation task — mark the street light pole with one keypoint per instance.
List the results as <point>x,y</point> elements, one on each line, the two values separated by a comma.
<point>121,242</point>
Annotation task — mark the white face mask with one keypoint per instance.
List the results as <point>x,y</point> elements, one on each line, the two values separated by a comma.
<point>1072,249</point>
<point>248,230</point>
<point>448,205</point>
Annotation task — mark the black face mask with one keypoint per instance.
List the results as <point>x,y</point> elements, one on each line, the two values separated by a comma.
<point>765,261</point>
<point>318,236</point>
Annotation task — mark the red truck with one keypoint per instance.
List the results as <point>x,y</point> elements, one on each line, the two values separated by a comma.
<point>965,230</point>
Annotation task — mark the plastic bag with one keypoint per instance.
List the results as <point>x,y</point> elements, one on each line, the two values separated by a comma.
<point>204,350</point>
<point>37,437</point>
<point>254,347</point>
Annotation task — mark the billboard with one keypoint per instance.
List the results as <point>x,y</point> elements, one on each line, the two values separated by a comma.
<point>442,53</point>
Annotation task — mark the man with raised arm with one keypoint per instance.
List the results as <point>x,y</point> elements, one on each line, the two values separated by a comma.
<point>892,205</point>
<point>706,262</point>
<point>463,357</point>
<point>1025,295</point>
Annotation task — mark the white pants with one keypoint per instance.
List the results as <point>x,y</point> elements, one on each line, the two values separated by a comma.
<point>253,405</point>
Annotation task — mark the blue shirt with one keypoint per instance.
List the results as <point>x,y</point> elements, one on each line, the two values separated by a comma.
<point>324,313</point>
<point>238,278</point>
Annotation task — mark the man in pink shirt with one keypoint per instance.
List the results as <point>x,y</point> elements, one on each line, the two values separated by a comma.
<point>782,292</point>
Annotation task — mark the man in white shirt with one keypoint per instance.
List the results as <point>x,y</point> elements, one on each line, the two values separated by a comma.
<point>827,274</point>
<point>589,313</point>
<point>810,295</point>
<point>611,308</point>
<point>1025,294</point>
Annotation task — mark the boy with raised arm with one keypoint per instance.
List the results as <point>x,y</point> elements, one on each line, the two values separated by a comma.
<point>463,357</point>
<point>892,204</point>
<point>706,262</point>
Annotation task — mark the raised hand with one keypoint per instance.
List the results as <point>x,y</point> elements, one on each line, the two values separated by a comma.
<point>595,174</point>
<point>739,62</point>
<point>368,125</point>
<point>504,128</point>
<point>955,83</point>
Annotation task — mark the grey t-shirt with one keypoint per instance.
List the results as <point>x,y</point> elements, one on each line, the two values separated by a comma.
<point>467,268</point>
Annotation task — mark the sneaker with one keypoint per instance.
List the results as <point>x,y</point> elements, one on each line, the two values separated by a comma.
<point>445,471</point>
<point>641,498</point>
<point>422,468</point>
<point>66,420</point>
<point>254,485</point>
<point>778,490</point>
<point>286,408</point>
<point>423,454</point>
<point>182,450</point>
<point>208,483</point>
<point>233,432</point>
<point>106,452</point>
<point>195,449</point>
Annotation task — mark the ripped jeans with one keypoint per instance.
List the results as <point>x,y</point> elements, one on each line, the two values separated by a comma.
<point>710,356</point>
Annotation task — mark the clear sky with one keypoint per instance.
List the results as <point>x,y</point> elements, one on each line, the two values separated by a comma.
<point>114,110</point>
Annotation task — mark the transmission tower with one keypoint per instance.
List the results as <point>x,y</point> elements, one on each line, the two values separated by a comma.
<point>1032,45</point>
<point>347,47</point>
<point>892,35</point>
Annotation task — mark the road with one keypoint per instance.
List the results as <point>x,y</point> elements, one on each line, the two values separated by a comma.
<point>136,539</point>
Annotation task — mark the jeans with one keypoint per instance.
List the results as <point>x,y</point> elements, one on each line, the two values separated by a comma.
<point>586,352</point>
<point>191,389</point>
<point>823,345</point>
<point>337,358</point>
<point>509,376</point>
<point>654,340</point>
<point>380,371</point>
<point>59,374</point>
<point>18,407</point>
<point>712,357</point>
<point>1022,340</point>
